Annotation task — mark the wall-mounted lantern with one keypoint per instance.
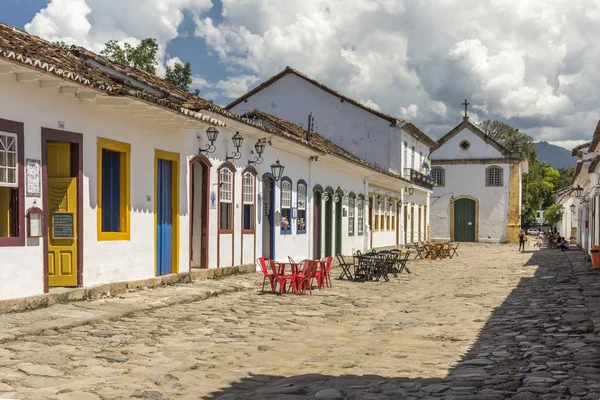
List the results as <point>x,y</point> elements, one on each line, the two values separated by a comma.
<point>573,207</point>
<point>277,170</point>
<point>260,148</point>
<point>410,190</point>
<point>336,197</point>
<point>237,140</point>
<point>211,133</point>
<point>578,191</point>
<point>34,222</point>
<point>325,196</point>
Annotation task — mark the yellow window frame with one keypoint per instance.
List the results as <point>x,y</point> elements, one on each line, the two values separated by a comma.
<point>125,150</point>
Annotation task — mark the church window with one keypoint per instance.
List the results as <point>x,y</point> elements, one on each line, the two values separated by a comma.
<point>438,176</point>
<point>493,176</point>
<point>465,145</point>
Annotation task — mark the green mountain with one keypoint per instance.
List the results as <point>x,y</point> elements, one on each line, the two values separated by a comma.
<point>557,157</point>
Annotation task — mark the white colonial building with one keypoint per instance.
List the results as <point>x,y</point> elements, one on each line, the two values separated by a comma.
<point>477,194</point>
<point>110,174</point>
<point>581,200</point>
<point>380,140</point>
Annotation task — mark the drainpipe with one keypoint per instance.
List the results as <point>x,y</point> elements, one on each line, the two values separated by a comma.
<point>427,214</point>
<point>311,209</point>
<point>402,241</point>
<point>366,234</point>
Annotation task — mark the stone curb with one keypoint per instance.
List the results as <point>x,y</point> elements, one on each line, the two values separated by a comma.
<point>117,288</point>
<point>61,324</point>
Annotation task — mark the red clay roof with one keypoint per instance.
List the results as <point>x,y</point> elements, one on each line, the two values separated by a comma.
<point>410,127</point>
<point>298,133</point>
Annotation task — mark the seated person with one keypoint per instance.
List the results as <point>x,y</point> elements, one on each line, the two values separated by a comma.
<point>564,245</point>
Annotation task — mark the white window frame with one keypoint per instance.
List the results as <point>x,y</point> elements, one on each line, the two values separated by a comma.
<point>226,186</point>
<point>248,188</point>
<point>6,168</point>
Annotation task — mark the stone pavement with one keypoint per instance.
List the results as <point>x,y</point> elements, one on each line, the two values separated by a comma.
<point>493,323</point>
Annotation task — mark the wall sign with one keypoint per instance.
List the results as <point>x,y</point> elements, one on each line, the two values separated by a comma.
<point>213,200</point>
<point>33,172</point>
<point>63,225</point>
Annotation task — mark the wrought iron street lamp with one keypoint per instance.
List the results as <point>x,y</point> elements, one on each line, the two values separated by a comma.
<point>260,148</point>
<point>237,140</point>
<point>211,133</point>
<point>336,197</point>
<point>325,196</point>
<point>578,191</point>
<point>573,208</point>
<point>277,170</point>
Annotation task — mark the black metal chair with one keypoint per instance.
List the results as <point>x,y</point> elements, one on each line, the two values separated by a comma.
<point>345,268</point>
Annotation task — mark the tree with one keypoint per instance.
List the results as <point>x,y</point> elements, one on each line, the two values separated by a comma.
<point>180,75</point>
<point>142,57</point>
<point>509,137</point>
<point>553,214</point>
<point>62,44</point>
<point>565,177</point>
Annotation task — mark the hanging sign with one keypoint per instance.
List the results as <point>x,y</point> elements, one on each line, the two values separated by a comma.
<point>63,225</point>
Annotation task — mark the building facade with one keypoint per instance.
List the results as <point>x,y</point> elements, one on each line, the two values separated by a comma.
<point>477,195</point>
<point>381,140</point>
<point>110,174</point>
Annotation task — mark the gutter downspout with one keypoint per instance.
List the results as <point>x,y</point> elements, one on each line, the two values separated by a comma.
<point>311,208</point>
<point>367,237</point>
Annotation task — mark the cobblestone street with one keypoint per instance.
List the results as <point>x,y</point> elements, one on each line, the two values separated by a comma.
<point>491,324</point>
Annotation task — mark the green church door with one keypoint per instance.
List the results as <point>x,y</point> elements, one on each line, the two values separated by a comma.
<point>464,220</point>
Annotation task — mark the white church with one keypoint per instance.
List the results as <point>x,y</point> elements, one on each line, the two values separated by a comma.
<point>477,192</point>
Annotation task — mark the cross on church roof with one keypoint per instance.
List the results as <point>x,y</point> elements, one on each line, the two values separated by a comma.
<point>466,104</point>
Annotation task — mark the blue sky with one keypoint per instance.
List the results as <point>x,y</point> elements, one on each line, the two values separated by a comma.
<point>528,63</point>
<point>187,46</point>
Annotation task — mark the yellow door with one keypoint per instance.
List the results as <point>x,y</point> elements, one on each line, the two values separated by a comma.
<point>62,232</point>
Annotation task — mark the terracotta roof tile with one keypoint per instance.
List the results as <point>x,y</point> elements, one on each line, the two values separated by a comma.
<point>317,142</point>
<point>31,51</point>
<point>577,149</point>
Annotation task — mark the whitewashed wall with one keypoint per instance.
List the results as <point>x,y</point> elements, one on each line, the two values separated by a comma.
<point>469,179</point>
<point>106,261</point>
<point>451,150</point>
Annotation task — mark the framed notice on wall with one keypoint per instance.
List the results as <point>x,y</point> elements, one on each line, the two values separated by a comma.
<point>63,225</point>
<point>33,173</point>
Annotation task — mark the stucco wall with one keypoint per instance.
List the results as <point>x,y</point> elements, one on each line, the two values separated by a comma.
<point>21,272</point>
<point>469,179</point>
<point>478,149</point>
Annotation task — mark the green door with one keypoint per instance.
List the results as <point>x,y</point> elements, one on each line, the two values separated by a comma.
<point>328,226</point>
<point>464,220</point>
<point>338,227</point>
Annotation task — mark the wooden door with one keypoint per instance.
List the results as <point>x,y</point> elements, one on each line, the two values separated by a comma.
<point>338,227</point>
<point>405,224</point>
<point>328,226</point>
<point>317,228</point>
<point>464,220</point>
<point>164,218</point>
<point>62,214</point>
<point>419,224</point>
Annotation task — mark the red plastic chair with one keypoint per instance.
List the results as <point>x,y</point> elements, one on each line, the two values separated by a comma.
<point>266,273</point>
<point>323,277</point>
<point>306,275</point>
<point>283,279</point>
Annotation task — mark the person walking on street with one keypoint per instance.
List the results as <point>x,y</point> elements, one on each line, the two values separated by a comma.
<point>522,240</point>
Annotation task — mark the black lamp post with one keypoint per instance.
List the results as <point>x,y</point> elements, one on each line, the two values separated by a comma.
<point>237,140</point>
<point>211,133</point>
<point>277,170</point>
<point>578,191</point>
<point>260,148</point>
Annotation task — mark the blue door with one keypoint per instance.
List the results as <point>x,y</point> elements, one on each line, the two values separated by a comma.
<point>164,218</point>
